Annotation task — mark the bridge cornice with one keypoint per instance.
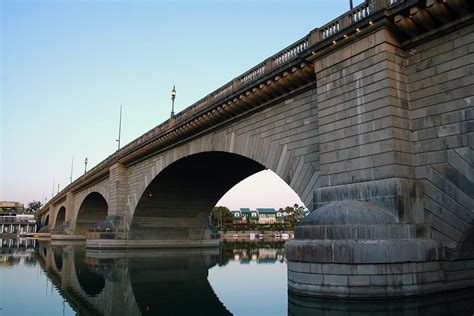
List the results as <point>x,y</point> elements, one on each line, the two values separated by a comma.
<point>288,70</point>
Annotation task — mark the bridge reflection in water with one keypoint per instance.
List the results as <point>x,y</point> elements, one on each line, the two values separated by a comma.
<point>175,282</point>
<point>165,282</point>
<point>457,303</point>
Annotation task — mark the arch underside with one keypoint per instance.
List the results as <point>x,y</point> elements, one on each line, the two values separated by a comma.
<point>93,209</point>
<point>60,217</point>
<point>177,203</point>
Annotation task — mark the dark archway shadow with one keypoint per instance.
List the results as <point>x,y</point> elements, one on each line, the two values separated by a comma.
<point>93,209</point>
<point>60,217</point>
<point>178,201</point>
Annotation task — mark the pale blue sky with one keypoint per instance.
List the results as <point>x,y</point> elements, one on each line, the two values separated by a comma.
<point>66,66</point>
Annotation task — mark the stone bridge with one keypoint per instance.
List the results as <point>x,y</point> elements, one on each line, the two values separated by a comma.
<point>369,119</point>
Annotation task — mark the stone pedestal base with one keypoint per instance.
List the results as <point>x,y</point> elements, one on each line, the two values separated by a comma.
<point>355,249</point>
<point>365,269</point>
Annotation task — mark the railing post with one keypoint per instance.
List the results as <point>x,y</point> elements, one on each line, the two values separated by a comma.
<point>235,84</point>
<point>345,21</point>
<point>314,37</point>
<point>379,4</point>
<point>269,65</point>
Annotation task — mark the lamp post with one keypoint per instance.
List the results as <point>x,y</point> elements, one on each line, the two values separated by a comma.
<point>351,4</point>
<point>173,96</point>
<point>85,165</point>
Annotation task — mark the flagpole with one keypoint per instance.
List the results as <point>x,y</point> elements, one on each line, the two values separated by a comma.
<point>120,128</point>
<point>72,167</point>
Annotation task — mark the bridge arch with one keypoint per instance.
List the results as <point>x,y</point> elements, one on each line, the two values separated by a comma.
<point>177,201</point>
<point>465,248</point>
<point>46,220</point>
<point>60,216</point>
<point>93,208</point>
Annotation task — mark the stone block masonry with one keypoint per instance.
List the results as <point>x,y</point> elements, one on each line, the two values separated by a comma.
<point>395,205</point>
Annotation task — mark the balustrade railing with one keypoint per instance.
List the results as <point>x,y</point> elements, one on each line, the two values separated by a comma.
<point>361,12</point>
<point>253,74</point>
<point>330,29</point>
<point>290,52</point>
<point>392,3</point>
<point>223,91</point>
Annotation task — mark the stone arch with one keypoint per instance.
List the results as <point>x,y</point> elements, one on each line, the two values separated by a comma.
<point>93,208</point>
<point>282,137</point>
<point>101,188</point>
<point>449,197</point>
<point>46,220</point>
<point>299,172</point>
<point>60,216</point>
<point>465,248</point>
<point>178,199</point>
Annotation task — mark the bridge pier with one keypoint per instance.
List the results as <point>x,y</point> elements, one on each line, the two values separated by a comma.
<point>376,230</point>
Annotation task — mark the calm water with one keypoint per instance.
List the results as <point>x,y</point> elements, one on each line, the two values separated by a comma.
<point>43,278</point>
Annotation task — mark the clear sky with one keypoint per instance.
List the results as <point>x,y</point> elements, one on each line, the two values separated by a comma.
<point>66,66</point>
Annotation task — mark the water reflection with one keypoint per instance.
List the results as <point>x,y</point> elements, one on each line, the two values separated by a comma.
<point>12,250</point>
<point>245,252</point>
<point>453,303</point>
<point>133,282</point>
<point>242,278</point>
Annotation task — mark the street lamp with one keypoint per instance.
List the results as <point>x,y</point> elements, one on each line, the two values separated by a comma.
<point>85,165</point>
<point>173,96</point>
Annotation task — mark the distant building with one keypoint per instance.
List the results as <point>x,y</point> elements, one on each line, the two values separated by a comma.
<point>244,215</point>
<point>258,216</point>
<point>249,216</point>
<point>236,216</point>
<point>17,223</point>
<point>13,220</point>
<point>9,207</point>
<point>267,215</point>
